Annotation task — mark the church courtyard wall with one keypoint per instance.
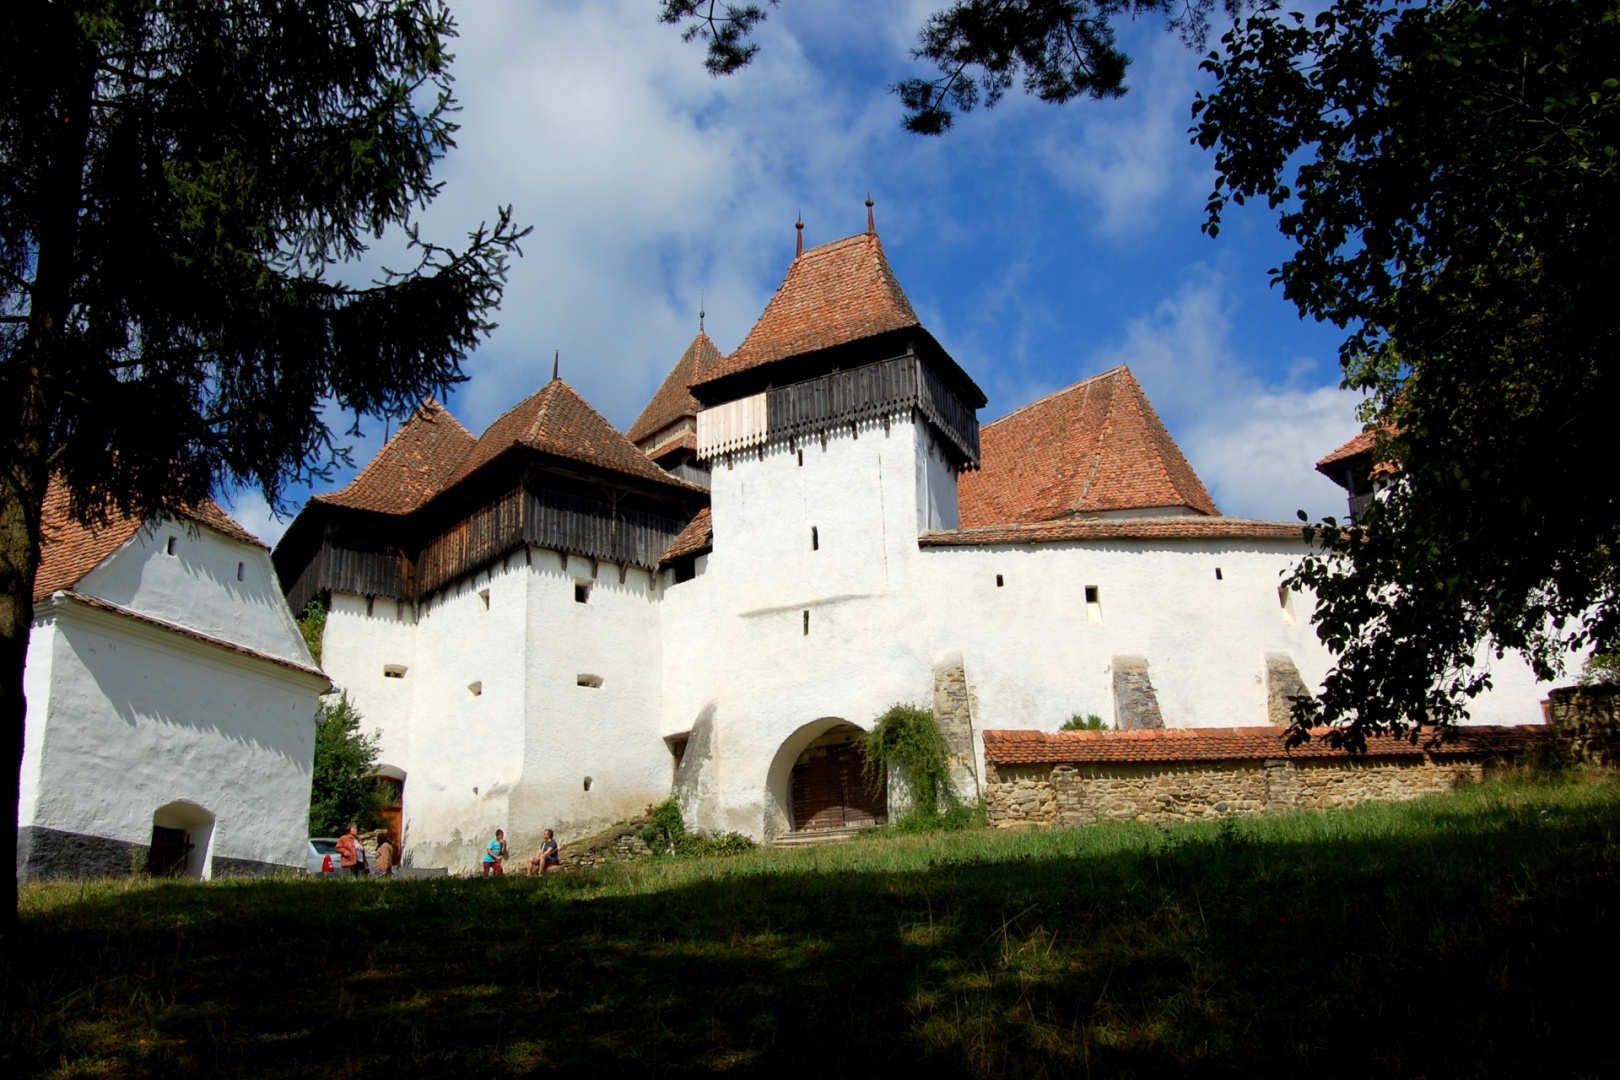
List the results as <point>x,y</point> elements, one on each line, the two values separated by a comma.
<point>1022,796</point>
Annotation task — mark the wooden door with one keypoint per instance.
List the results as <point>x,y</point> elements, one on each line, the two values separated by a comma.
<point>167,856</point>
<point>392,816</point>
<point>830,793</point>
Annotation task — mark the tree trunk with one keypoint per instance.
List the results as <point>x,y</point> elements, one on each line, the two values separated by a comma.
<point>22,496</point>
<point>27,415</point>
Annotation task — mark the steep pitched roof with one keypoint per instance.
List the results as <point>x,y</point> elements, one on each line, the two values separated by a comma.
<point>412,467</point>
<point>834,294</point>
<point>1361,444</point>
<point>673,399</point>
<point>556,420</point>
<point>696,538</point>
<point>70,549</point>
<point>1242,743</point>
<point>1094,447</point>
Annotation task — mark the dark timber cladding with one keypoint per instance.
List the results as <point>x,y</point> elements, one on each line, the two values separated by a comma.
<point>541,518</point>
<point>879,389</point>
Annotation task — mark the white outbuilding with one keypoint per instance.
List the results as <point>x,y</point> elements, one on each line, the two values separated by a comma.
<point>171,702</point>
<point>553,624</point>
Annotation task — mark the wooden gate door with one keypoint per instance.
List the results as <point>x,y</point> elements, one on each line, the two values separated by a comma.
<point>830,793</point>
<point>167,856</point>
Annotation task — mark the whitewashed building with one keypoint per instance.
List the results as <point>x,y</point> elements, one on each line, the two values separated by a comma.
<point>171,703</point>
<point>549,630</point>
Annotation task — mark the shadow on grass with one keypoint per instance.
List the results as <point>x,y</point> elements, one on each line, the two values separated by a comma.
<point>1465,938</point>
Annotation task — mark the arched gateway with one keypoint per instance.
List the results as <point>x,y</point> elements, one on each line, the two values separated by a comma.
<point>816,782</point>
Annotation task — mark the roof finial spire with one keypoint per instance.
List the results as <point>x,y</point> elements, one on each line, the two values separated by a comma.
<point>556,361</point>
<point>871,225</point>
<point>702,297</point>
<point>800,226</point>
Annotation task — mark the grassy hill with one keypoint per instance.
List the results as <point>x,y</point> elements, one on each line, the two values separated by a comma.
<point>1470,935</point>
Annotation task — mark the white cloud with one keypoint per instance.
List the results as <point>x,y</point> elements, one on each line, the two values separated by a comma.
<point>251,512</point>
<point>1127,160</point>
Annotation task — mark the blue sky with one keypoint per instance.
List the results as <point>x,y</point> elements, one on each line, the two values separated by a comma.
<point>1039,244</point>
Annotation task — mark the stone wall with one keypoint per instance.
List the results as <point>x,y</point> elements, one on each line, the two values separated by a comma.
<point>1586,722</point>
<point>622,843</point>
<point>1021,796</point>
<point>953,712</point>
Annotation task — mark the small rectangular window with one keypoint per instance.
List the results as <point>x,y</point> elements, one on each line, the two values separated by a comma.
<point>483,594</point>
<point>807,623</point>
<point>815,539</point>
<point>169,548</point>
<point>588,680</point>
<point>1093,605</point>
<point>393,671</point>
<point>801,459</point>
<point>241,571</point>
<point>1091,594</point>
<point>1217,573</point>
<point>582,592</point>
<point>999,582</point>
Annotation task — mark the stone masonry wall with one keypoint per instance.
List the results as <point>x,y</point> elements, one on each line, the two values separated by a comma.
<point>1023,796</point>
<point>1586,722</point>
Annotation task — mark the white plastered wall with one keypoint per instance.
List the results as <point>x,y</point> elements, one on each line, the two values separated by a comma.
<point>133,717</point>
<point>515,755</point>
<point>210,583</point>
<point>883,612</point>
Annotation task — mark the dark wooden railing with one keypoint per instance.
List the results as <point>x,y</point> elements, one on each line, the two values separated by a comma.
<point>365,573</point>
<point>587,527</point>
<point>863,393</point>
<point>546,519</point>
<point>479,538</point>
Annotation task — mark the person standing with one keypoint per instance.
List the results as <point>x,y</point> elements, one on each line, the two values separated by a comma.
<point>495,853</point>
<point>351,855</point>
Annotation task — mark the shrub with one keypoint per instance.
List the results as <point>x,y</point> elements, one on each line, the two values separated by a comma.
<point>907,739</point>
<point>667,835</point>
<point>312,625</point>
<point>1084,722</point>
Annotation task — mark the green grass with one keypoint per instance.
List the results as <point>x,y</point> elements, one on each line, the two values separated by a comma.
<point>1470,935</point>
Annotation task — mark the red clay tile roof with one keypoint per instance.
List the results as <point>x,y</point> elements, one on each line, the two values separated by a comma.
<point>673,399</point>
<point>210,514</point>
<point>662,450</point>
<point>832,295</point>
<point>1094,447</point>
<point>412,467</point>
<point>69,549</point>
<point>556,420</point>
<point>1003,747</point>
<point>1361,444</point>
<point>1185,527</point>
<point>696,538</point>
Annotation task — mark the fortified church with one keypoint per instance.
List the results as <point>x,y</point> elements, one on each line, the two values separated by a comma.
<point>552,622</point>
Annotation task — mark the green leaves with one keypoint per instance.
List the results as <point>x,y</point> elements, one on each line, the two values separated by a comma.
<point>906,738</point>
<point>1448,176</point>
<point>344,786</point>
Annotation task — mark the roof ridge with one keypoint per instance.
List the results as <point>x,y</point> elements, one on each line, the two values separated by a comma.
<point>1102,439</point>
<point>399,433</point>
<point>1087,381</point>
<point>1156,428</point>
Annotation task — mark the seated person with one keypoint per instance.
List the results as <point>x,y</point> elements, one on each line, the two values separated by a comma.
<point>546,857</point>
